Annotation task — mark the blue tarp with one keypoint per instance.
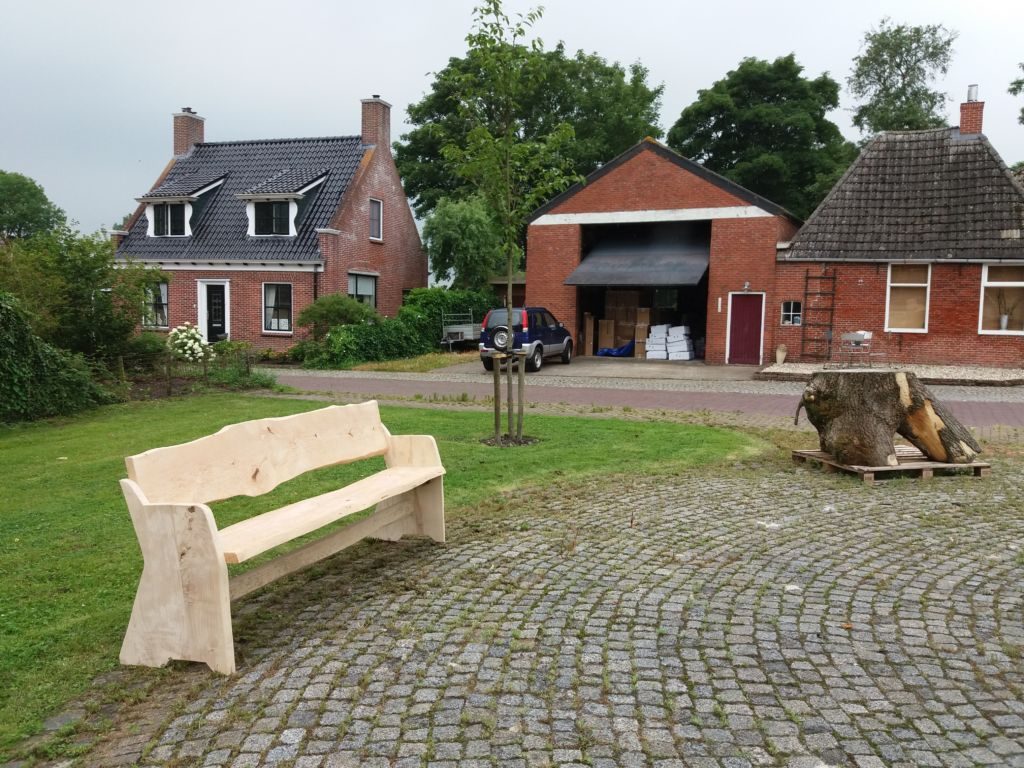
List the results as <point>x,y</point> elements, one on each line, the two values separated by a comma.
<point>626,350</point>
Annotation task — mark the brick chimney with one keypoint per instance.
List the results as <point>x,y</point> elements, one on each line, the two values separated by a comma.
<point>377,122</point>
<point>971,112</point>
<point>188,130</point>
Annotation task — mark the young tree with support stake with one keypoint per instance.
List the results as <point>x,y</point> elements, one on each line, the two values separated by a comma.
<point>512,173</point>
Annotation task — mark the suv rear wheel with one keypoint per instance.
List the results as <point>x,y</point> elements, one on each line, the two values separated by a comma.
<point>536,360</point>
<point>488,363</point>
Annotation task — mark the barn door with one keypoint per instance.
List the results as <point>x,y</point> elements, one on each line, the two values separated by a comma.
<point>746,313</point>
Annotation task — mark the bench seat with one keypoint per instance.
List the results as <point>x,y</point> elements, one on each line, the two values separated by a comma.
<point>248,538</point>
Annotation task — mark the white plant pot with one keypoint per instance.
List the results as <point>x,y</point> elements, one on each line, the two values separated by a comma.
<point>1004,321</point>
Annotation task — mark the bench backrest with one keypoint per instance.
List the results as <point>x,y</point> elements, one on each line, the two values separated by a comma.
<point>254,457</point>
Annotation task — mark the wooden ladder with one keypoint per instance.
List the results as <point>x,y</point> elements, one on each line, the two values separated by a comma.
<point>818,315</point>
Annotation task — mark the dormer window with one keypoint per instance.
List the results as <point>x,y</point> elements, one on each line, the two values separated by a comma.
<point>169,220</point>
<point>276,207</point>
<point>273,218</point>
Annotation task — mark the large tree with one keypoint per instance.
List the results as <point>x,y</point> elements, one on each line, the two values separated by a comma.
<point>463,243</point>
<point>894,74</point>
<point>24,208</point>
<point>764,126</point>
<point>609,107</point>
<point>1016,89</point>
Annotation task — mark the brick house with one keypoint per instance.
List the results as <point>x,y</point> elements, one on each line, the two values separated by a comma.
<point>920,243</point>
<point>251,232</point>
<point>672,237</point>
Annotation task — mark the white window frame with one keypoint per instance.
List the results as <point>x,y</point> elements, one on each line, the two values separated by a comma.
<point>263,311</point>
<point>250,212</point>
<point>151,218</point>
<point>927,296</point>
<point>380,236</point>
<point>981,301</point>
<point>201,305</point>
<point>799,314</point>
<point>164,291</point>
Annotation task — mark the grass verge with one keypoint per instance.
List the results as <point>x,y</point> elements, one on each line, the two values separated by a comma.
<point>431,361</point>
<point>69,560</point>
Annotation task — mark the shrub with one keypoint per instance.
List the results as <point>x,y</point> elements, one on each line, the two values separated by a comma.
<point>145,351</point>
<point>187,343</point>
<point>333,310</point>
<point>348,345</point>
<point>424,307</point>
<point>37,379</point>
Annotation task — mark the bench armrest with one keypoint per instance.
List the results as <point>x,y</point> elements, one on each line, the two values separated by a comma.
<point>412,451</point>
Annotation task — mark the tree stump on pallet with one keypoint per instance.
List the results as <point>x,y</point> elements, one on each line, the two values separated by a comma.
<point>857,413</point>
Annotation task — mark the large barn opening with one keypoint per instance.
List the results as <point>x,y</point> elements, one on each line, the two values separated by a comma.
<point>637,276</point>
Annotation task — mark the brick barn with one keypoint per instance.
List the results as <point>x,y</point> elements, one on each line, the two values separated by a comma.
<point>919,244</point>
<point>653,236</point>
<point>251,232</point>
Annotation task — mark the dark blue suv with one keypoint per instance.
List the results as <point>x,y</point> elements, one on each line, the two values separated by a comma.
<point>541,336</point>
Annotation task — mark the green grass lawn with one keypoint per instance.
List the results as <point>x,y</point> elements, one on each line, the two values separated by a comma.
<point>69,560</point>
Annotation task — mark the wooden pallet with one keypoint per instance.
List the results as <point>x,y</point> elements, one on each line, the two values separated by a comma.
<point>910,462</point>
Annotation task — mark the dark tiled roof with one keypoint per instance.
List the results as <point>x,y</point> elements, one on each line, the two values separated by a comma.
<point>286,180</point>
<point>919,195</point>
<point>186,183</point>
<point>220,231</point>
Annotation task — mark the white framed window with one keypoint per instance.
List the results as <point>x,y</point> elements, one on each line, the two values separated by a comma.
<point>363,288</point>
<point>168,219</point>
<point>1002,300</point>
<point>273,217</point>
<point>277,307</point>
<point>154,313</point>
<point>792,313</point>
<point>906,300</point>
<point>376,219</point>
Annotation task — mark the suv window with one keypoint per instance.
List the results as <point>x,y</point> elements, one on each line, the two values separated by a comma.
<point>549,320</point>
<point>498,317</point>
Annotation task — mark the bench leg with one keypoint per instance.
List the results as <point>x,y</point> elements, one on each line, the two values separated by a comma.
<point>424,516</point>
<point>182,607</point>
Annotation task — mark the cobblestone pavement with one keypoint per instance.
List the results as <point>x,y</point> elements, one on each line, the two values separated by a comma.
<point>760,615</point>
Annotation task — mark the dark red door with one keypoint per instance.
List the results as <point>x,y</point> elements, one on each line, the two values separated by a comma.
<point>745,328</point>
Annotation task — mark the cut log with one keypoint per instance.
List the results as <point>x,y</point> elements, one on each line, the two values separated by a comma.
<point>857,413</point>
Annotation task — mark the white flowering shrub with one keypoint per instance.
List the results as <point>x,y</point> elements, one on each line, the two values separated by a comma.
<point>187,343</point>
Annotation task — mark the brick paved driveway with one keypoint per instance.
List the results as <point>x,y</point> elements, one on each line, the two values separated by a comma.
<point>735,617</point>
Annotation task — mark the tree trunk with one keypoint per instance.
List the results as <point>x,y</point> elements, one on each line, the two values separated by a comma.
<point>857,413</point>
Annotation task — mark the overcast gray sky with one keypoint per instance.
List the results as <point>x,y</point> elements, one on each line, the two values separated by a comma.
<point>88,88</point>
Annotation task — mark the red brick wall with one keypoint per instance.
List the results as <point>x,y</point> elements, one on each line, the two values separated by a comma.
<point>398,258</point>
<point>554,252</point>
<point>245,320</point>
<point>952,337</point>
<point>647,181</point>
<point>742,251</point>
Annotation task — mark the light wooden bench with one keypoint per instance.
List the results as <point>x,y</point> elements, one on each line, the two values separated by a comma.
<point>183,605</point>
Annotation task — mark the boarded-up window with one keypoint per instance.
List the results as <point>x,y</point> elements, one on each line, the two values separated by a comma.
<point>1002,299</point>
<point>908,297</point>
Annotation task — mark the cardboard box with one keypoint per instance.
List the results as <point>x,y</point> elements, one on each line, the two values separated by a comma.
<point>640,333</point>
<point>657,355</point>
<point>587,342</point>
<point>640,349</point>
<point>605,334</point>
<point>643,315</point>
<point>680,355</point>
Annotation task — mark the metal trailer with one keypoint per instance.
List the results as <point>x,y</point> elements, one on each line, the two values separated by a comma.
<point>458,328</point>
